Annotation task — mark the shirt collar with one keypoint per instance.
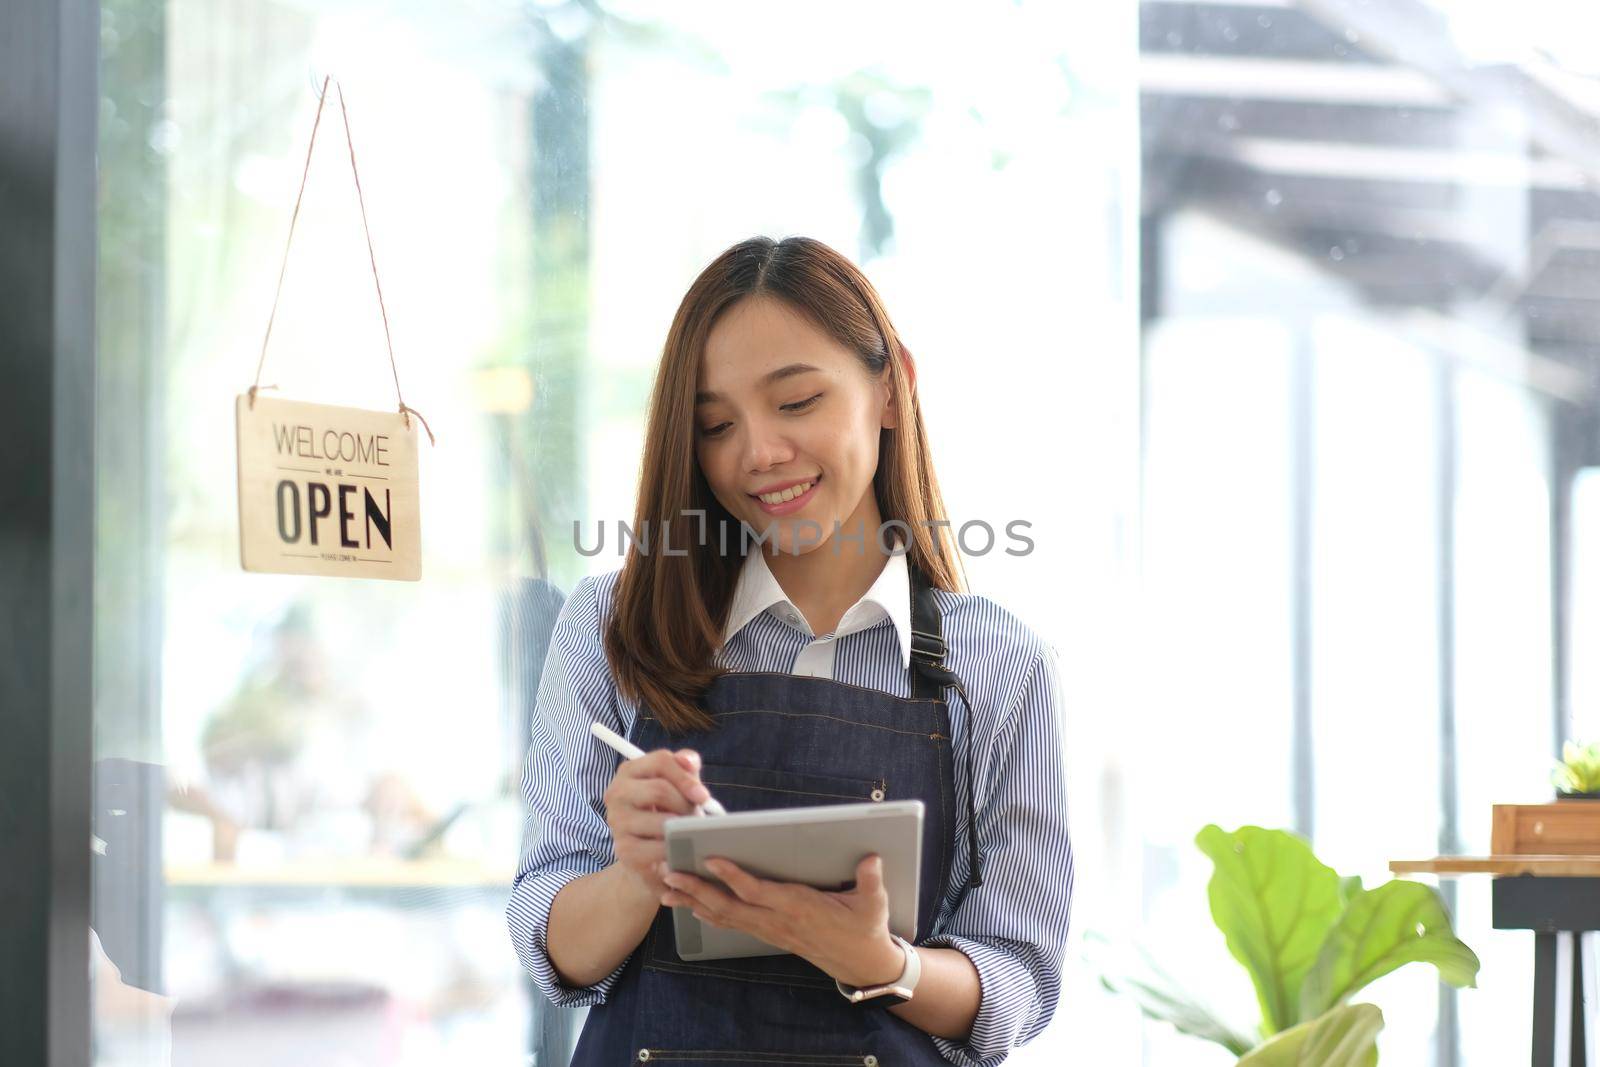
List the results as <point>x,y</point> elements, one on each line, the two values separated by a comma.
<point>756,590</point>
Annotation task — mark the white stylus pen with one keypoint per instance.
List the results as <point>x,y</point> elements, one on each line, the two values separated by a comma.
<point>628,750</point>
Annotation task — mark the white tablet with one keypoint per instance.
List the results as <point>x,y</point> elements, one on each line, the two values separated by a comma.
<point>818,846</point>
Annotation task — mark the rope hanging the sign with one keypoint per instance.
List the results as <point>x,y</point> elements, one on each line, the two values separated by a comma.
<point>406,411</point>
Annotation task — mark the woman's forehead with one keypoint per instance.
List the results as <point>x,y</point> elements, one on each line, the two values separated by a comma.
<point>758,337</point>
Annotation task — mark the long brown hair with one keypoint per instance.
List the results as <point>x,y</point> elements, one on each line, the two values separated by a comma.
<point>669,608</point>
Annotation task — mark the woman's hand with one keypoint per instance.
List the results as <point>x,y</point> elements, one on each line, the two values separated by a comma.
<point>845,934</point>
<point>644,794</point>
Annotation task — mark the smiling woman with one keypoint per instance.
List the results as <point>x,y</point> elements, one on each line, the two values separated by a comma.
<point>776,372</point>
<point>810,671</point>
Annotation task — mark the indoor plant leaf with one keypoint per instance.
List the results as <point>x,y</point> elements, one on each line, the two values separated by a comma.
<point>1397,923</point>
<point>1347,1036</point>
<point>1275,903</point>
<point>1579,768</point>
<point>1161,997</point>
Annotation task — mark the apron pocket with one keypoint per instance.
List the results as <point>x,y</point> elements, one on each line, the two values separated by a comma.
<point>758,788</point>
<point>725,1057</point>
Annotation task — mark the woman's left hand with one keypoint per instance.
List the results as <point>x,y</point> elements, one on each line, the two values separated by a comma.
<point>844,934</point>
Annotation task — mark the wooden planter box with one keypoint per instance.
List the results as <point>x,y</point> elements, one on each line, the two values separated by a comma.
<point>1559,828</point>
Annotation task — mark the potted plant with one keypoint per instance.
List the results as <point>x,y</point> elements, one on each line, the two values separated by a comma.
<point>1577,776</point>
<point>1310,941</point>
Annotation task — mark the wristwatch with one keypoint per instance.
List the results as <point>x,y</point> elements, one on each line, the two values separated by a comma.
<point>896,992</point>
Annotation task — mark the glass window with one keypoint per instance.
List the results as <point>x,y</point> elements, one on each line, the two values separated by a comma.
<point>1272,323</point>
<point>308,783</point>
<point>1503,673</point>
<point>1383,207</point>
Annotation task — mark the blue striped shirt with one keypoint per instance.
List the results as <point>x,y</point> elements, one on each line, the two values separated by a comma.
<point>1013,928</point>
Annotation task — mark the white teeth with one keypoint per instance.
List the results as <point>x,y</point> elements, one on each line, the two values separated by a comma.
<point>786,494</point>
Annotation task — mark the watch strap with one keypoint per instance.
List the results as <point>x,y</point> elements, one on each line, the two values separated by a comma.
<point>896,992</point>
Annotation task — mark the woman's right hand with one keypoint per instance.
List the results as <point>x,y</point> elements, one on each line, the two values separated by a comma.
<point>643,795</point>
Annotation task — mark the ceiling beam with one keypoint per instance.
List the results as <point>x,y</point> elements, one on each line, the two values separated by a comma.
<point>1416,36</point>
<point>1309,81</point>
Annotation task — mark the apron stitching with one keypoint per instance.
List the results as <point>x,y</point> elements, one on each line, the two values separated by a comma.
<point>830,718</point>
<point>803,980</point>
<point>798,1058</point>
<point>775,1057</point>
<point>775,789</point>
<point>944,849</point>
<point>805,679</point>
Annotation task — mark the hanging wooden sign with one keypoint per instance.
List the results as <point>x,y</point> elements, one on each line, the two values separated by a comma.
<point>327,490</point>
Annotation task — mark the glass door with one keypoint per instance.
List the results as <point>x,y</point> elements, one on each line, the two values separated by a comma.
<point>306,804</point>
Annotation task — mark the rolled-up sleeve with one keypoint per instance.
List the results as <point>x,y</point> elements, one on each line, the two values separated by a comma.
<point>1014,926</point>
<point>564,775</point>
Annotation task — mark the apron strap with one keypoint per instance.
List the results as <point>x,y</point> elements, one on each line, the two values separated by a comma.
<point>927,640</point>
<point>929,678</point>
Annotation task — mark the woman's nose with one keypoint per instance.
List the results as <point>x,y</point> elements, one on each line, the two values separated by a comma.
<point>765,448</point>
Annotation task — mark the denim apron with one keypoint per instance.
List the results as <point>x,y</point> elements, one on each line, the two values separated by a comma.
<point>786,740</point>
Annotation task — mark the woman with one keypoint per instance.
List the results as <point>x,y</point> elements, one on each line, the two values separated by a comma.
<point>786,632</point>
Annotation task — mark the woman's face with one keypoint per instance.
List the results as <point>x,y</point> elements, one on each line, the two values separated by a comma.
<point>784,410</point>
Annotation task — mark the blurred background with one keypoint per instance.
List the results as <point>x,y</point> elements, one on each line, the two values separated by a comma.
<point>1277,321</point>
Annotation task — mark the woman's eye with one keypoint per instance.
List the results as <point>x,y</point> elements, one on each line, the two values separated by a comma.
<point>797,406</point>
<point>801,405</point>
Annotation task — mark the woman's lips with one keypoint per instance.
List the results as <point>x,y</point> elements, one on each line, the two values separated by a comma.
<point>789,506</point>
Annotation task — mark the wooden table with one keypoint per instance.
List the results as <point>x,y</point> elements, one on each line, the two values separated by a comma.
<point>1558,898</point>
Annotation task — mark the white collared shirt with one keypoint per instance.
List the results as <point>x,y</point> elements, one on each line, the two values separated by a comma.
<point>757,590</point>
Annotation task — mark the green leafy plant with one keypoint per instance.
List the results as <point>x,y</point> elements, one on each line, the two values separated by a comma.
<point>1346,1036</point>
<point>1579,769</point>
<point>1309,940</point>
